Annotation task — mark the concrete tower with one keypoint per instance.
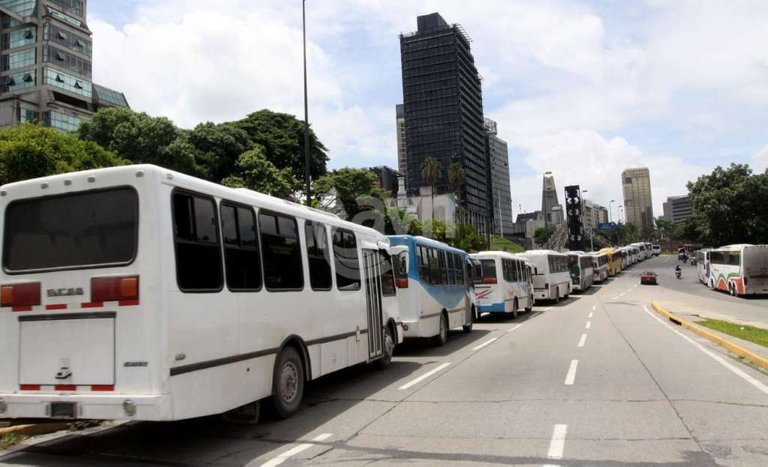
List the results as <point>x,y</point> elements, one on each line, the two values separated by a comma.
<point>550,205</point>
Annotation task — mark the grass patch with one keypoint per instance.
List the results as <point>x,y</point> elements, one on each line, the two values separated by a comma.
<point>9,439</point>
<point>502,244</point>
<point>742,331</point>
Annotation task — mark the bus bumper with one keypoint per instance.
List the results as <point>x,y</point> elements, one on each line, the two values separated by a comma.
<point>493,308</point>
<point>88,406</point>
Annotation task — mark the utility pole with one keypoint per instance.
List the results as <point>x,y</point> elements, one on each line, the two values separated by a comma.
<point>306,106</point>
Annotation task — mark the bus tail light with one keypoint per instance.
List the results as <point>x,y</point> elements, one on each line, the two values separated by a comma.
<point>489,280</point>
<point>112,289</point>
<point>20,295</point>
<point>401,283</point>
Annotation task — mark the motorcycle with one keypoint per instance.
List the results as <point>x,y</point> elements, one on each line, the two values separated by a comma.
<point>678,274</point>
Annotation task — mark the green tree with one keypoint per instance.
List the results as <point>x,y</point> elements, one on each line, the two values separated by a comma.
<point>140,138</point>
<point>468,239</point>
<point>254,171</point>
<point>431,172</point>
<point>502,244</point>
<point>282,137</point>
<point>664,229</point>
<point>730,205</point>
<point>345,187</point>
<point>217,148</point>
<point>542,235</point>
<point>30,151</point>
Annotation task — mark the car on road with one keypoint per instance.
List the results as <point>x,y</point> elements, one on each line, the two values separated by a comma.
<point>656,250</point>
<point>648,277</point>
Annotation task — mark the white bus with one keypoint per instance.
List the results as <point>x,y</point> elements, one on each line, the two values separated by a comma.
<point>702,265</point>
<point>140,293</point>
<point>552,280</point>
<point>739,269</point>
<point>506,285</point>
<point>581,269</point>
<point>436,294</point>
<point>600,266</point>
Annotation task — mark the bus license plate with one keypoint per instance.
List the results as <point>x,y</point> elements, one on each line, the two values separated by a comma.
<point>63,409</point>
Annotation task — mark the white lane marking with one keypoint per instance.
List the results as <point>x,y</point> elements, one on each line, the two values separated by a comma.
<point>571,376</point>
<point>546,308</point>
<point>280,458</point>
<point>589,315</point>
<point>594,308</point>
<point>621,295</point>
<point>582,340</point>
<point>557,444</point>
<point>617,296</point>
<point>514,327</point>
<point>717,358</point>
<point>589,324</point>
<point>424,376</point>
<point>488,342</point>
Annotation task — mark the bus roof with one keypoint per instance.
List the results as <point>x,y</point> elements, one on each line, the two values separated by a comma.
<point>424,241</point>
<point>495,253</point>
<point>541,252</point>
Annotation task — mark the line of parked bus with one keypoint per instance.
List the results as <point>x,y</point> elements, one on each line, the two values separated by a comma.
<point>740,270</point>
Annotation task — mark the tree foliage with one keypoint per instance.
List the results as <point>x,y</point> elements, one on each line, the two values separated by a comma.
<point>730,206</point>
<point>282,136</point>
<point>542,235</point>
<point>30,151</point>
<point>254,171</point>
<point>347,187</point>
<point>217,148</point>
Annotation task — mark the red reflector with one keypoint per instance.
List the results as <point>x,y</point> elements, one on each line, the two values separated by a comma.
<point>27,294</point>
<point>92,304</point>
<point>128,302</point>
<point>102,387</point>
<point>65,387</point>
<point>489,280</point>
<point>57,306</point>
<point>21,308</point>
<point>29,387</point>
<point>402,283</point>
<point>113,289</point>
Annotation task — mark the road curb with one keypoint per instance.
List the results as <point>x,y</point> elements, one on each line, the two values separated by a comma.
<point>35,429</point>
<point>734,348</point>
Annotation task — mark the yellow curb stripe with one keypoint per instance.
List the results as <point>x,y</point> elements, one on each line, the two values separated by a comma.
<point>35,429</point>
<point>736,349</point>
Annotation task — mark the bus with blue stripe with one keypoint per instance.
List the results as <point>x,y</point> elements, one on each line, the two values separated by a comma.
<point>505,286</point>
<point>435,297</point>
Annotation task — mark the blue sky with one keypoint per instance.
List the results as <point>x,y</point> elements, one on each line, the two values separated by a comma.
<point>584,89</point>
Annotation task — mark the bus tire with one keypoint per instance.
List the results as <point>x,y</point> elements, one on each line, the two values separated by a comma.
<point>529,308</point>
<point>514,308</point>
<point>557,295</point>
<point>288,383</point>
<point>442,335</point>
<point>388,349</point>
<point>467,328</point>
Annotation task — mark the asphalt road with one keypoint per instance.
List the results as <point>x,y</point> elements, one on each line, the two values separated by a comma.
<point>595,380</point>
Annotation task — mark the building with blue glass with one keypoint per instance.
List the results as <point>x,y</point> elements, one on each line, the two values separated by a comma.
<point>46,65</point>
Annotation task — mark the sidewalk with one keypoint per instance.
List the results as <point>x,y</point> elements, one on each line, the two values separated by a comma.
<point>695,309</point>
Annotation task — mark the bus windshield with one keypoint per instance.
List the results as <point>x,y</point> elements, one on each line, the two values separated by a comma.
<point>72,230</point>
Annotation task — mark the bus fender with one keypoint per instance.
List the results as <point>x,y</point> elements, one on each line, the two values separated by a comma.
<point>301,346</point>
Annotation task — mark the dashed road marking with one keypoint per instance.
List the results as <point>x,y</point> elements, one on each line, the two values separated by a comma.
<point>512,329</point>
<point>589,315</point>
<point>589,325</point>
<point>571,376</point>
<point>594,308</point>
<point>546,308</point>
<point>488,342</point>
<point>280,458</point>
<point>557,443</point>
<point>582,340</point>
<point>424,376</point>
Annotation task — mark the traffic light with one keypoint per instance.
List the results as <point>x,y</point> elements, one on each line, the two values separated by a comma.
<point>573,208</point>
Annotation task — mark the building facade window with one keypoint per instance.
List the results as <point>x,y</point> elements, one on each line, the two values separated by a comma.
<point>61,121</point>
<point>68,82</point>
<point>67,40</point>
<point>18,81</point>
<point>28,115</point>
<point>21,59</point>
<point>20,7</point>
<point>19,38</point>
<point>74,7</point>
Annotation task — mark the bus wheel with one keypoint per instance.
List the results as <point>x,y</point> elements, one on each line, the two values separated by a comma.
<point>732,289</point>
<point>388,349</point>
<point>557,295</point>
<point>442,336</point>
<point>529,308</point>
<point>467,328</point>
<point>514,308</point>
<point>288,383</point>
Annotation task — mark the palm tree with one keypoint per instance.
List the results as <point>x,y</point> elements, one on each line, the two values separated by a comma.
<point>431,172</point>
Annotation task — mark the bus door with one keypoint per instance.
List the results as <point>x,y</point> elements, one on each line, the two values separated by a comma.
<point>373,301</point>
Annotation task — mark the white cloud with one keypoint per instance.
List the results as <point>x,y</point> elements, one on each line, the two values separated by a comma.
<point>760,160</point>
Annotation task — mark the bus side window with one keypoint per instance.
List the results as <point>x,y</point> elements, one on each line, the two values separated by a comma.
<point>318,255</point>
<point>242,260</point>
<point>457,260</point>
<point>387,274</point>
<point>423,256</point>
<point>282,252</point>
<point>449,274</point>
<point>346,260</point>
<point>434,265</point>
<point>196,242</point>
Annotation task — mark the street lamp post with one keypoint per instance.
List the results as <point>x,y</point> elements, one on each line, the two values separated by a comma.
<point>306,106</point>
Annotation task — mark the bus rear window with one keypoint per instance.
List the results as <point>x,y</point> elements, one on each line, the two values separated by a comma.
<point>77,230</point>
<point>489,270</point>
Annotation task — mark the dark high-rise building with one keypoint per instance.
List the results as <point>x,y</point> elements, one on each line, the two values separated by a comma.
<point>497,155</point>
<point>45,65</point>
<point>443,111</point>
